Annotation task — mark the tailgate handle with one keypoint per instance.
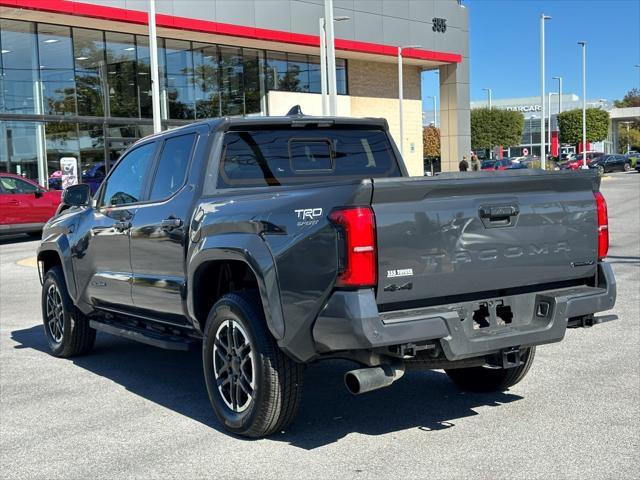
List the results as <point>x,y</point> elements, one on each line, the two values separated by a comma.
<point>493,216</point>
<point>499,212</point>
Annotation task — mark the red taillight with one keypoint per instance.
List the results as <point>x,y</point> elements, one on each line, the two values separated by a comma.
<point>358,225</point>
<point>603,226</point>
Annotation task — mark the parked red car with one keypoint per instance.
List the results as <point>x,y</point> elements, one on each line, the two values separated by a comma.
<point>25,206</point>
<point>576,163</point>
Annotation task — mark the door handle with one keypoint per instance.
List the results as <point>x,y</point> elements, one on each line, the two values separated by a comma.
<point>170,223</point>
<point>14,202</point>
<point>122,226</point>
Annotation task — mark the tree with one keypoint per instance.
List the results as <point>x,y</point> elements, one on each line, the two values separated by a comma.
<point>495,127</point>
<point>631,99</point>
<point>570,125</point>
<point>632,139</point>
<point>431,141</point>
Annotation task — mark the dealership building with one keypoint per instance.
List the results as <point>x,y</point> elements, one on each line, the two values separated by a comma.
<point>75,75</point>
<point>531,109</point>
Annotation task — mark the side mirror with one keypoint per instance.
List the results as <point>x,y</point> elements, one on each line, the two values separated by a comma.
<point>77,195</point>
<point>38,193</point>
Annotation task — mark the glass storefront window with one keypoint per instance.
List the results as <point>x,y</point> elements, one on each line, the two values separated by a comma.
<point>88,51</point>
<point>92,165</point>
<point>206,69</point>
<point>276,70</point>
<point>121,74</point>
<point>315,84</point>
<point>19,67</point>
<point>56,70</point>
<point>254,94</point>
<point>232,84</point>
<point>144,76</point>
<point>180,88</point>
<point>297,73</point>
<point>341,76</point>
<point>19,148</point>
<point>61,139</point>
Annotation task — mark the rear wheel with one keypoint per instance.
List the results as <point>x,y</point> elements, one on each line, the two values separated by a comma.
<point>66,328</point>
<point>483,379</point>
<point>254,388</point>
<point>627,167</point>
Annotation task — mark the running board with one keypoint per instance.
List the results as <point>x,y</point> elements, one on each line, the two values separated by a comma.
<point>143,335</point>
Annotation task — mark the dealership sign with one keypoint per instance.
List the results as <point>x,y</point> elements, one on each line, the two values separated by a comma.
<point>524,108</point>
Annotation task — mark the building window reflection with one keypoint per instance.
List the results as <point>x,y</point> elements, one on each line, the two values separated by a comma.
<point>97,85</point>
<point>121,75</point>
<point>88,52</point>
<point>19,67</point>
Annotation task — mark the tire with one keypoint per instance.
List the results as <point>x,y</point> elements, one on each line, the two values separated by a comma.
<point>601,170</point>
<point>627,167</point>
<point>66,328</point>
<point>483,379</point>
<point>265,383</point>
<point>35,235</point>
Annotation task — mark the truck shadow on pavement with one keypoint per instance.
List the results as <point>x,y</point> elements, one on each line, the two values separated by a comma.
<point>427,401</point>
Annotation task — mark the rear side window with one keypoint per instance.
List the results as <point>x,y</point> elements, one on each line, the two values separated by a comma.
<point>286,156</point>
<point>172,167</point>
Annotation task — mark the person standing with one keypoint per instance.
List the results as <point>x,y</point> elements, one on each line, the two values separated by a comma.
<point>463,165</point>
<point>475,163</point>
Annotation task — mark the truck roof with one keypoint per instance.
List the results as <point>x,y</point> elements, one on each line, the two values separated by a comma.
<point>225,123</point>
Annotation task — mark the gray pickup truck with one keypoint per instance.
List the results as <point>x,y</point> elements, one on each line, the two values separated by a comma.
<point>276,242</point>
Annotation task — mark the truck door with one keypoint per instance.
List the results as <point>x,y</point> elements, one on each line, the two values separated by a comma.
<point>159,232</point>
<point>104,264</point>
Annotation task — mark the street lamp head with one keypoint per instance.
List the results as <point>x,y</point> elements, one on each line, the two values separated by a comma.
<point>545,17</point>
<point>404,47</point>
<point>341,18</point>
<point>556,78</point>
<point>583,43</point>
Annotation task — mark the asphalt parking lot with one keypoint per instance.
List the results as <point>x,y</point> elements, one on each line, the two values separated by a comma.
<point>135,411</point>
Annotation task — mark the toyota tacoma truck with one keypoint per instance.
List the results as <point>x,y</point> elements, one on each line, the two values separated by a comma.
<point>274,242</point>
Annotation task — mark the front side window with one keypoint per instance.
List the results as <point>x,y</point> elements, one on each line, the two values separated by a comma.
<point>15,185</point>
<point>125,185</point>
<point>173,165</point>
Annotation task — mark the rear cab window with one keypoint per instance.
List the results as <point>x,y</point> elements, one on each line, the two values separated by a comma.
<point>288,155</point>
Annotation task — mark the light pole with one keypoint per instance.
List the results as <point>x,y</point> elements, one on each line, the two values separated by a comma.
<point>488,90</point>
<point>435,114</point>
<point>559,93</point>
<point>400,93</point>
<point>584,104</point>
<point>543,160</point>
<point>628,140</point>
<point>531,134</point>
<point>550,95</point>
<point>323,68</point>
<point>638,67</point>
<point>155,81</point>
<point>327,49</point>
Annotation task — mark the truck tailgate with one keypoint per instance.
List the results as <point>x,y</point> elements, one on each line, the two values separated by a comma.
<point>477,232</point>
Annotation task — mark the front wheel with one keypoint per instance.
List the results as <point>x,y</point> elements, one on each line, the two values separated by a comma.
<point>483,379</point>
<point>254,388</point>
<point>66,328</point>
<point>627,167</point>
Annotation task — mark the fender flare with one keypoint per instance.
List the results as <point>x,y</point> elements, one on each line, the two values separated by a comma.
<point>60,246</point>
<point>253,251</point>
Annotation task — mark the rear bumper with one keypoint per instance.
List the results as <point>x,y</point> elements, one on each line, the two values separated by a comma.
<point>351,321</point>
